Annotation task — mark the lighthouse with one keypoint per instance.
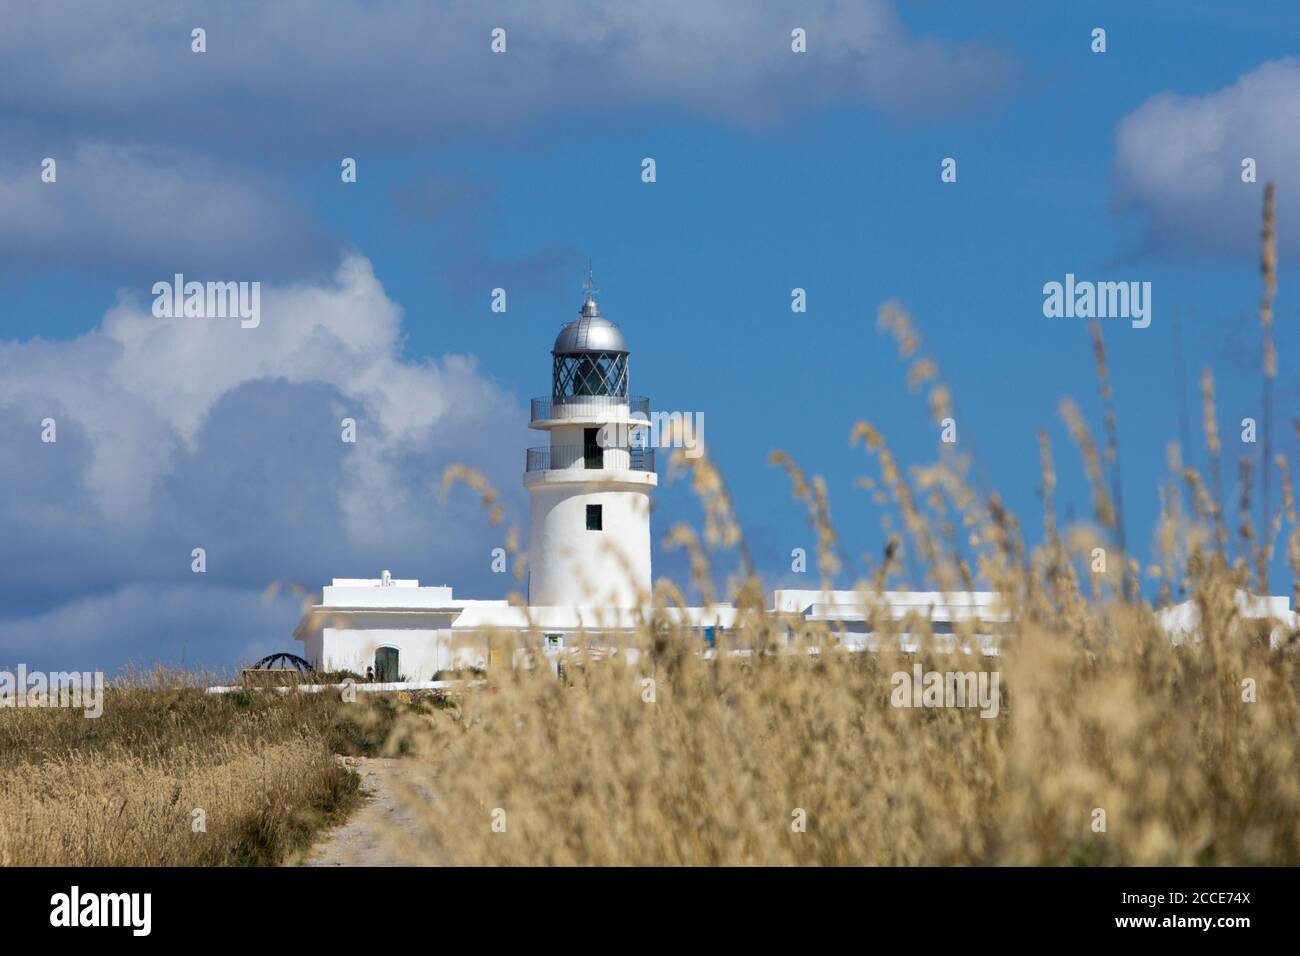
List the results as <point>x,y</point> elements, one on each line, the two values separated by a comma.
<point>589,521</point>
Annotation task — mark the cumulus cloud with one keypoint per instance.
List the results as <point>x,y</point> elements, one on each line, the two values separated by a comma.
<point>182,433</point>
<point>153,208</point>
<point>1178,162</point>
<point>307,71</point>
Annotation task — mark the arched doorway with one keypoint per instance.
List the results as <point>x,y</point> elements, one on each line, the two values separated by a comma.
<point>386,670</point>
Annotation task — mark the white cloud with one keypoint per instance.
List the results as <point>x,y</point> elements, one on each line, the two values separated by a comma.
<point>182,433</point>
<point>345,332</point>
<point>1178,161</point>
<point>331,69</point>
<point>139,385</point>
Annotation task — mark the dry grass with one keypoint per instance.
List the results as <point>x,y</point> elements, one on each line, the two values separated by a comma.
<point>122,789</point>
<point>1100,712</point>
<point>715,768</point>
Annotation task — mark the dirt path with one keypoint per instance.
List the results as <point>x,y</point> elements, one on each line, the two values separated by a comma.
<point>376,831</point>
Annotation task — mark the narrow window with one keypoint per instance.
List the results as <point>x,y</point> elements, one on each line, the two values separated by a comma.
<point>593,518</point>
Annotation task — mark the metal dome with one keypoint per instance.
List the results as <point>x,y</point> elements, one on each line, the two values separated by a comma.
<point>589,332</point>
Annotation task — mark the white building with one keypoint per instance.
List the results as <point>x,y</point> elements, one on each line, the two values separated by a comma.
<point>589,552</point>
<point>588,547</point>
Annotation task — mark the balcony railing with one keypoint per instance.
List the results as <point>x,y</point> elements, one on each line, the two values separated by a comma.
<point>586,457</point>
<point>588,406</point>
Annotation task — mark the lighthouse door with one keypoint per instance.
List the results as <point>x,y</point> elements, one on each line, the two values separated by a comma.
<point>593,456</point>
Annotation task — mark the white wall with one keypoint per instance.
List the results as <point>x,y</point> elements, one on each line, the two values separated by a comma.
<point>401,594</point>
<point>570,566</point>
<point>313,647</point>
<point>421,652</point>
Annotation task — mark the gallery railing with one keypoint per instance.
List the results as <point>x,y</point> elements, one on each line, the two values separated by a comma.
<point>587,457</point>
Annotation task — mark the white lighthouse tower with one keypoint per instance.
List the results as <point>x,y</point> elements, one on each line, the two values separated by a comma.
<point>589,530</point>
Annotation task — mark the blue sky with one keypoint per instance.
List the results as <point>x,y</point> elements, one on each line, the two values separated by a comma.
<point>774,170</point>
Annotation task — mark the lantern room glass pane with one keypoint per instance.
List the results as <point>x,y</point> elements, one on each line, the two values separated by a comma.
<point>590,373</point>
